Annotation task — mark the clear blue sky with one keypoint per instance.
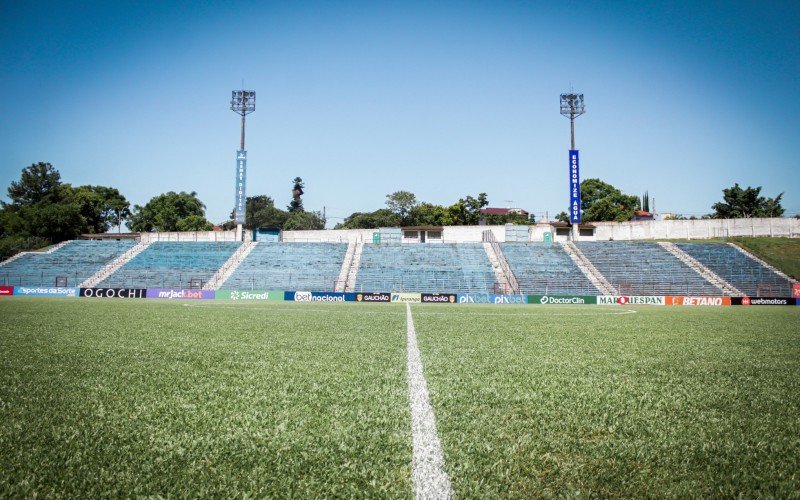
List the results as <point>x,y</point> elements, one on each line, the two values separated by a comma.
<point>442,99</point>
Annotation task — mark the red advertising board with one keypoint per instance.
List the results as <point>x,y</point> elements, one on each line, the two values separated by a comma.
<point>698,301</point>
<point>796,290</point>
<point>6,290</point>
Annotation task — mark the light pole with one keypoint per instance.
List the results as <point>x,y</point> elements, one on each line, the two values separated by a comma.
<point>572,106</point>
<point>243,102</point>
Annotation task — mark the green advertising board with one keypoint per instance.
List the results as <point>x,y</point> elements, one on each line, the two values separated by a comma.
<point>562,299</point>
<point>258,295</point>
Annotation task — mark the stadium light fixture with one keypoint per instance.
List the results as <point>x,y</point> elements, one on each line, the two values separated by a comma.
<point>572,106</point>
<point>243,102</point>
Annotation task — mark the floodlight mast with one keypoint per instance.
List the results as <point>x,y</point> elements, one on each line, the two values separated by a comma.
<point>572,106</point>
<point>243,102</point>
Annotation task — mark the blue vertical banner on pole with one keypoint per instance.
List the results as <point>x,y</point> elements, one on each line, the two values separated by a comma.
<point>574,187</point>
<point>241,181</point>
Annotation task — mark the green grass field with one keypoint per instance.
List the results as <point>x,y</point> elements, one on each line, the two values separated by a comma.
<point>133,398</point>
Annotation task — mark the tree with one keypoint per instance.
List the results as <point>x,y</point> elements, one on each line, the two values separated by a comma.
<point>467,211</point>
<point>370,220</point>
<point>38,183</point>
<point>194,223</point>
<point>562,217</point>
<point>745,203</point>
<point>302,220</point>
<point>296,204</point>
<point>646,201</point>
<point>401,203</point>
<point>261,212</point>
<point>101,207</point>
<point>601,201</point>
<point>163,212</point>
<point>428,214</point>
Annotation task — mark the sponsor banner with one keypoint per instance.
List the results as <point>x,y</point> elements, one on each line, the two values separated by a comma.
<point>373,297</point>
<point>763,301</point>
<point>123,293</point>
<point>260,295</point>
<point>167,293</point>
<point>303,296</point>
<point>574,187</point>
<point>632,300</point>
<point>562,299</point>
<point>46,291</point>
<point>491,298</point>
<point>240,185</point>
<point>698,301</point>
<point>439,298</point>
<point>6,290</point>
<point>413,298</point>
<point>796,290</point>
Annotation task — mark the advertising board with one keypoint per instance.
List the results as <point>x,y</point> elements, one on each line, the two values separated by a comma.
<point>172,294</point>
<point>121,293</point>
<point>491,298</point>
<point>305,296</point>
<point>632,300</point>
<point>763,301</point>
<point>698,301</point>
<point>45,291</point>
<point>6,290</point>
<point>574,187</point>
<point>258,295</point>
<point>562,299</point>
<point>413,298</point>
<point>796,290</point>
<point>439,298</point>
<point>240,187</point>
<point>373,297</point>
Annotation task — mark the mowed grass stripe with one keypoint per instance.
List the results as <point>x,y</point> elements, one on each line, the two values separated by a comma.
<point>429,476</point>
<point>662,403</point>
<point>143,398</point>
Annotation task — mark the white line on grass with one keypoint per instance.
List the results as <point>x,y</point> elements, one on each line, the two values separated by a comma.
<point>428,475</point>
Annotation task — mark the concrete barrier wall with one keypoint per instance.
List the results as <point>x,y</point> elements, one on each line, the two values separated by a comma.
<point>617,231</point>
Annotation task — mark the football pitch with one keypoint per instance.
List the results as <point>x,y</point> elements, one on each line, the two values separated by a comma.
<point>105,397</point>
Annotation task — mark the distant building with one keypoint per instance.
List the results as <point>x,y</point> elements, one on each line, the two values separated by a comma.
<point>504,211</point>
<point>642,215</point>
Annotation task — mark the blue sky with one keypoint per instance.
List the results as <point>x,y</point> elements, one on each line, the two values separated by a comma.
<point>442,99</point>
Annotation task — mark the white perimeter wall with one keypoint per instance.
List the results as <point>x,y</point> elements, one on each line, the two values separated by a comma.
<point>618,231</point>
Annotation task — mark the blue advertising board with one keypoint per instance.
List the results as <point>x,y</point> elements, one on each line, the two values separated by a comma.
<point>241,182</point>
<point>574,187</point>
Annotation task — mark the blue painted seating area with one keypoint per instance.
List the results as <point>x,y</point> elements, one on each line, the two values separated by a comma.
<point>172,265</point>
<point>434,268</point>
<point>546,269</point>
<point>76,261</point>
<point>289,266</point>
<point>645,269</point>
<point>746,274</point>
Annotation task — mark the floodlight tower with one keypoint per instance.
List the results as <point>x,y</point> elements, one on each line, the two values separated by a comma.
<point>572,106</point>
<point>243,102</point>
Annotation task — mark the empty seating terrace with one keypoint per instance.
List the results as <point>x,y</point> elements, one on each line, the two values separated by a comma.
<point>289,266</point>
<point>546,269</point>
<point>75,262</point>
<point>434,268</point>
<point>172,265</point>
<point>645,269</point>
<point>746,274</point>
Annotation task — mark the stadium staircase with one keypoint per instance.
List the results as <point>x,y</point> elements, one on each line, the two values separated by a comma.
<point>229,267</point>
<point>702,270</point>
<point>115,264</point>
<point>588,269</point>
<point>502,271</point>
<point>349,271</point>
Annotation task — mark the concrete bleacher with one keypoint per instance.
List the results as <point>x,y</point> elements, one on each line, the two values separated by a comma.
<point>289,266</point>
<point>73,262</point>
<point>171,265</point>
<point>434,268</point>
<point>645,269</point>
<point>546,269</point>
<point>748,275</point>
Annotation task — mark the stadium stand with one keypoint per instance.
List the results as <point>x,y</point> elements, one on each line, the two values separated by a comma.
<point>70,264</point>
<point>436,268</point>
<point>746,274</point>
<point>289,266</point>
<point>645,269</point>
<point>546,269</point>
<point>172,265</point>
